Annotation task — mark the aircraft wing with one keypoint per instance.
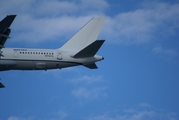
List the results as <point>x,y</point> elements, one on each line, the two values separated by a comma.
<point>4,29</point>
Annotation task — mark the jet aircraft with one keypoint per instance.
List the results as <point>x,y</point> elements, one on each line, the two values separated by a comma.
<point>80,49</point>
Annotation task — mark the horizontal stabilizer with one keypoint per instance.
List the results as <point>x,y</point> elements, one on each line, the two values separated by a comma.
<point>91,66</point>
<point>1,85</point>
<point>90,50</point>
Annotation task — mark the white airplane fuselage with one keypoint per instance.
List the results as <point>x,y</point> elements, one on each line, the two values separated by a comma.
<point>80,49</point>
<point>40,59</point>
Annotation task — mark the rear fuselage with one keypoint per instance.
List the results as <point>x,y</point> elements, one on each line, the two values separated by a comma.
<point>40,59</point>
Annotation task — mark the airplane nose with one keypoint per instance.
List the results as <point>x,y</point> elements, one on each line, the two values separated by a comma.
<point>102,58</point>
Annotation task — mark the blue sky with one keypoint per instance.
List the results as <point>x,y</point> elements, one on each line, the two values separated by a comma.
<point>138,79</point>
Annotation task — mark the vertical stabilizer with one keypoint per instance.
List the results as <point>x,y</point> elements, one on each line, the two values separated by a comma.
<point>85,36</point>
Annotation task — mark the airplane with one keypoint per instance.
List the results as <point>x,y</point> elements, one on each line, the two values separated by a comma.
<point>80,49</point>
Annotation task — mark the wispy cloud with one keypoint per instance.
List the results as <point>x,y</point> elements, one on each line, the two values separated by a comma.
<point>20,118</point>
<point>50,20</point>
<point>57,20</point>
<point>87,87</point>
<point>89,93</point>
<point>61,115</point>
<point>138,114</point>
<point>165,53</point>
<point>87,79</point>
<point>53,8</point>
<point>144,24</point>
<point>43,29</point>
<point>145,105</point>
<point>143,111</point>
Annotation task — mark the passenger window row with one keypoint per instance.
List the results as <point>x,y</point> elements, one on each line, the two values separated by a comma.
<point>42,53</point>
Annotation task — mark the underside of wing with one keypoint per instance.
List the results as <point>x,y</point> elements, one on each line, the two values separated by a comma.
<point>4,29</point>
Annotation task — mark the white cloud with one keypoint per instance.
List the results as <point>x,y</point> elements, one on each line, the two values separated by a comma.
<point>147,113</point>
<point>171,52</point>
<point>43,20</point>
<point>16,7</point>
<point>144,24</point>
<point>157,49</point>
<point>62,115</point>
<point>165,53</point>
<point>53,8</point>
<point>19,118</point>
<point>94,5</point>
<point>145,105</point>
<point>88,87</point>
<point>89,93</point>
<point>40,29</point>
<point>58,20</point>
<point>87,79</point>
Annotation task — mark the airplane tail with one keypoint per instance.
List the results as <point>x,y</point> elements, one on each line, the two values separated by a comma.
<point>84,43</point>
<point>85,39</point>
